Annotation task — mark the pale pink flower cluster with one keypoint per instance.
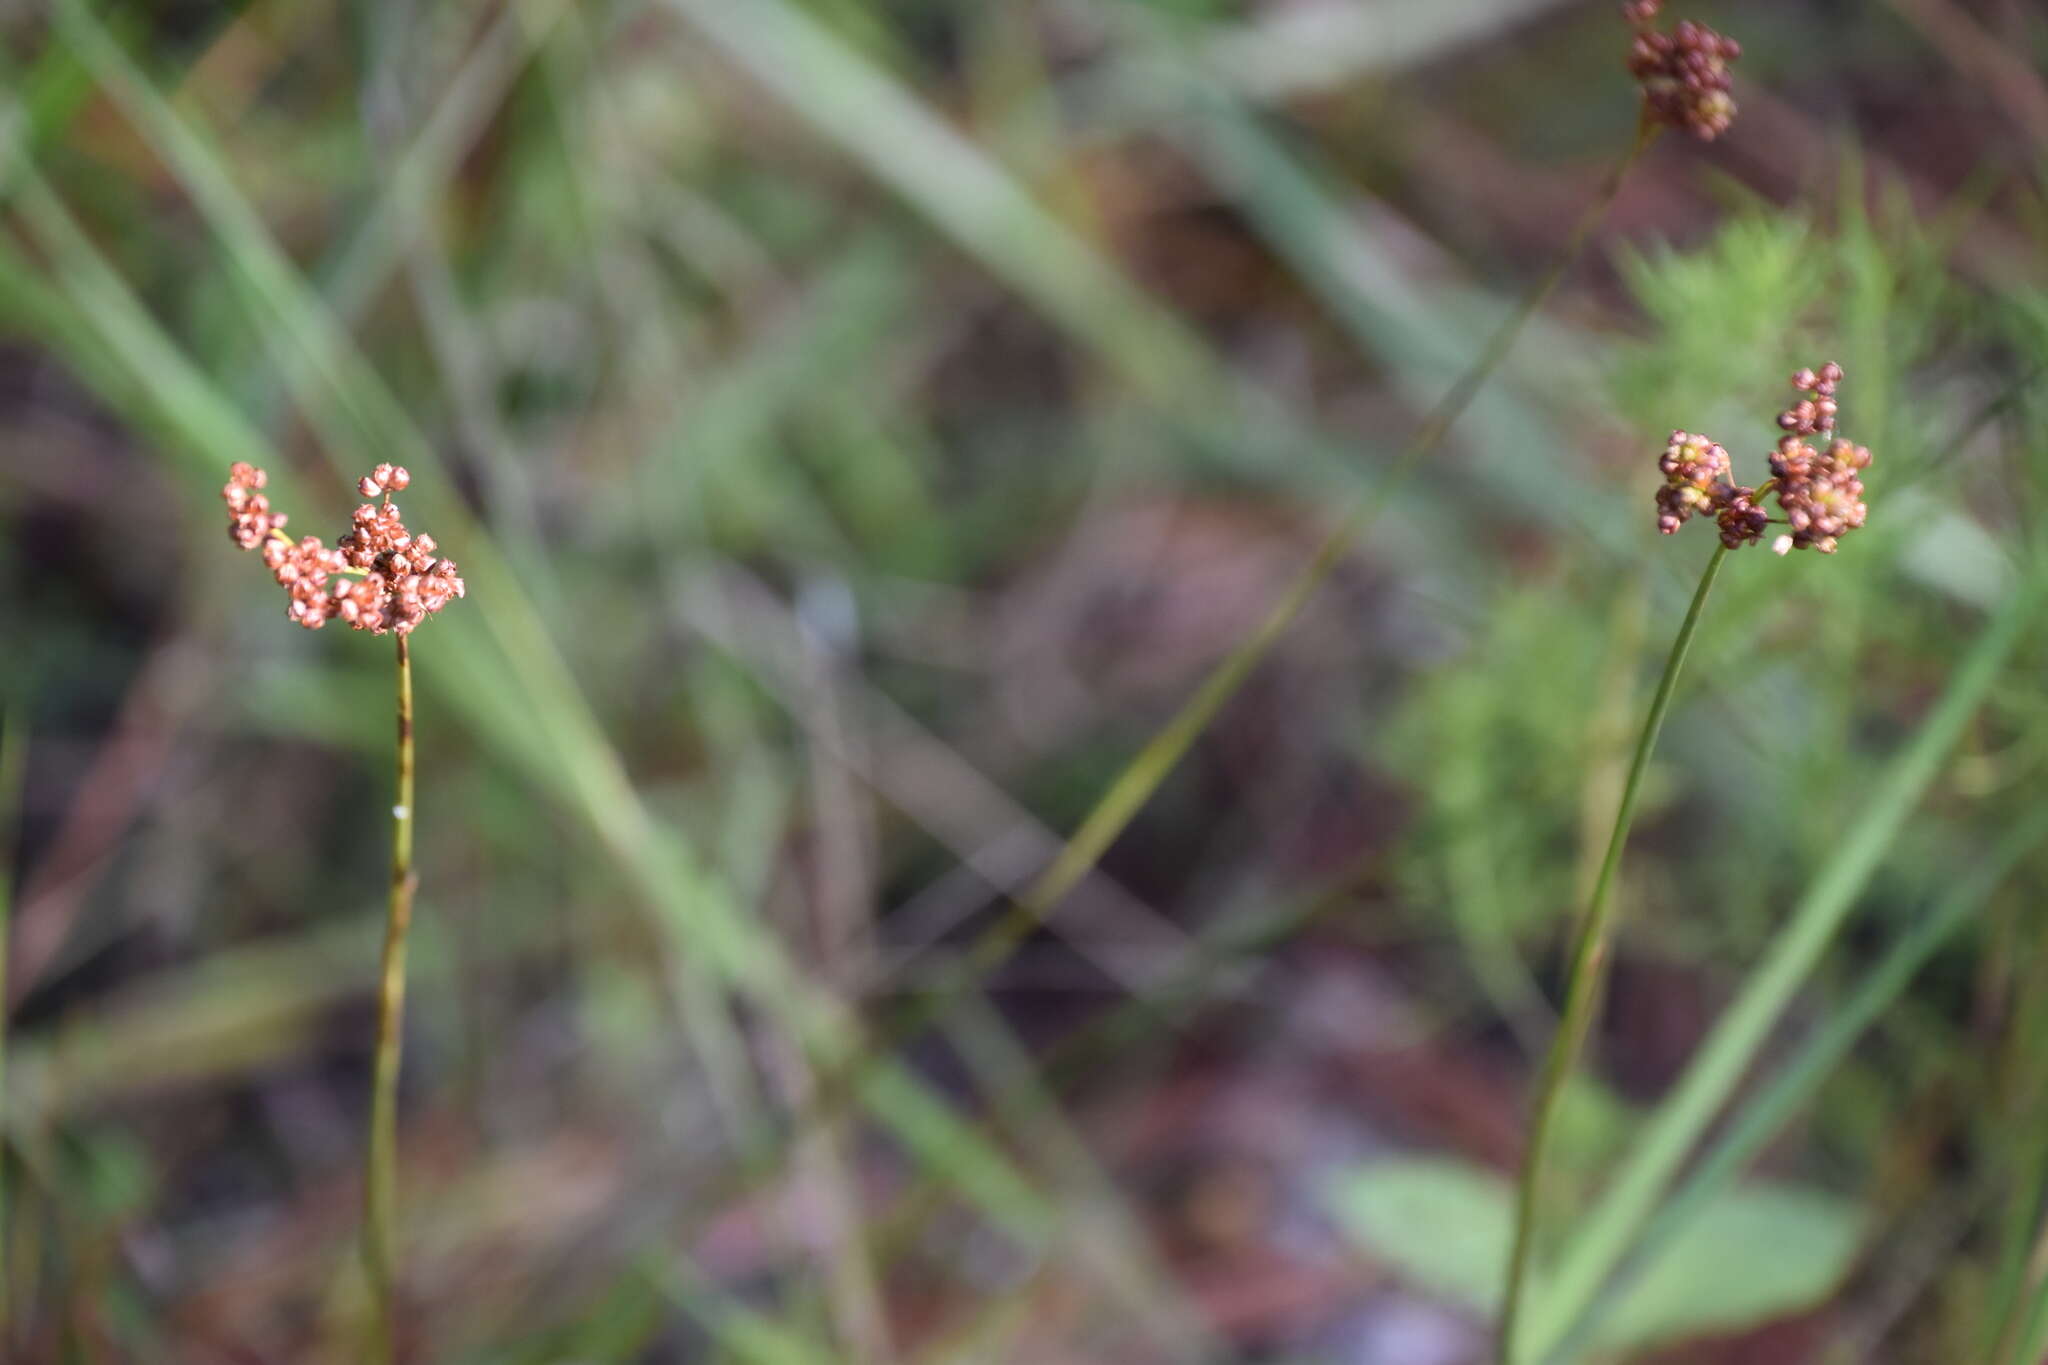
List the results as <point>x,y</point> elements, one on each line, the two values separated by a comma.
<point>378,577</point>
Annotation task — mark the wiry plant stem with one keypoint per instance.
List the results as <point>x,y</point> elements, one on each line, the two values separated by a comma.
<point>380,1200</point>
<point>1588,973</point>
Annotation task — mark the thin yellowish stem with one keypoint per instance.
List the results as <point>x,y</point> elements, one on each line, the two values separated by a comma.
<point>380,1213</point>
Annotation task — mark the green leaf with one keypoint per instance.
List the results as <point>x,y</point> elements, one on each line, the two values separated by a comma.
<point>1759,1253</point>
<point>1443,1223</point>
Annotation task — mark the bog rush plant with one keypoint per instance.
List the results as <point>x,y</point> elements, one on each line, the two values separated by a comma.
<point>1819,493</point>
<point>378,577</point>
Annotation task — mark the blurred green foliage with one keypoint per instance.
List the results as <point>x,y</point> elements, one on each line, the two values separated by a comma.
<point>861,425</point>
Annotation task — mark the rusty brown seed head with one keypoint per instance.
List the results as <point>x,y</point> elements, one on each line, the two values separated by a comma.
<point>402,578</point>
<point>1818,488</point>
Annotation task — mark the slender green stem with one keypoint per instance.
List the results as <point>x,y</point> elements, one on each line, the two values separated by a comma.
<point>1588,972</point>
<point>380,1200</point>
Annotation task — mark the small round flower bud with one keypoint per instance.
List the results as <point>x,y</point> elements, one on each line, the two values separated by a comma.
<point>1740,520</point>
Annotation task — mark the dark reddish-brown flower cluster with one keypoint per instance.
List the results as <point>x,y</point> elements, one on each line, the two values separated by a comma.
<point>1683,73</point>
<point>1820,491</point>
<point>378,577</point>
<point>1695,470</point>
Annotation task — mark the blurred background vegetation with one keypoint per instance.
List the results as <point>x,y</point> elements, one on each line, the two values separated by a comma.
<point>862,423</point>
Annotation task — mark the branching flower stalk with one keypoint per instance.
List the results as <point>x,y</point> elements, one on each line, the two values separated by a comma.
<point>380,578</point>
<point>1820,496</point>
